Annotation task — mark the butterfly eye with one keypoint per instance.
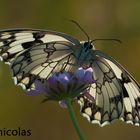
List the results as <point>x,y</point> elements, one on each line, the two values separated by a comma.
<point>90,47</point>
<point>86,44</point>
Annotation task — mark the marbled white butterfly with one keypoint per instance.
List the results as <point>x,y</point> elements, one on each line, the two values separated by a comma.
<point>36,54</point>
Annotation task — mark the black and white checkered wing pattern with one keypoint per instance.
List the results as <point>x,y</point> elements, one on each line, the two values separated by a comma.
<point>115,95</point>
<point>13,42</point>
<point>35,54</point>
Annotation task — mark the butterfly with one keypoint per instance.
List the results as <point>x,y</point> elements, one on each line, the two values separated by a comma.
<point>37,54</point>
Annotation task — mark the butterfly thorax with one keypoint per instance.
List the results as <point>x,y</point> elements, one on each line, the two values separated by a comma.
<point>84,53</point>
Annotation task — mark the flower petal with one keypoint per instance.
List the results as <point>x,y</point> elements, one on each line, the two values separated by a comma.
<point>64,78</point>
<point>88,77</point>
<point>52,80</point>
<point>33,93</point>
<point>63,104</point>
<point>80,73</point>
<point>40,86</point>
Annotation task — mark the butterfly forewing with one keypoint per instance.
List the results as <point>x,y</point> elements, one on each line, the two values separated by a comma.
<point>36,54</point>
<point>15,41</point>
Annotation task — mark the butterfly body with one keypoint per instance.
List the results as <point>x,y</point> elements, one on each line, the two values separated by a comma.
<point>36,54</point>
<point>84,54</point>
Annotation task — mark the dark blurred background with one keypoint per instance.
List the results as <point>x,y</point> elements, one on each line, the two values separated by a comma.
<point>101,19</point>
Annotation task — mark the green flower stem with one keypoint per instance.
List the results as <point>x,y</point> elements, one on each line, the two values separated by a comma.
<point>73,118</point>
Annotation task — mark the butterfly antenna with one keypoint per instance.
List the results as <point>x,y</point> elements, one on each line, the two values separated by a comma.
<point>108,39</point>
<point>76,23</point>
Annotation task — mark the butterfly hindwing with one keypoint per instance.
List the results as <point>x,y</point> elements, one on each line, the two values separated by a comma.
<point>131,94</point>
<point>41,63</point>
<point>103,101</point>
<point>115,95</point>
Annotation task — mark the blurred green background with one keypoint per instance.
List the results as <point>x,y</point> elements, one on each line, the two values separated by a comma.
<point>101,19</point>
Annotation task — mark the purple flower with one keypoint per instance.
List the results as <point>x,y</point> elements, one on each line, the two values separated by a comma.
<point>85,75</point>
<point>64,85</point>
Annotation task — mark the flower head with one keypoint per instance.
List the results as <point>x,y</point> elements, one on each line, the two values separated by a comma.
<point>64,85</point>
